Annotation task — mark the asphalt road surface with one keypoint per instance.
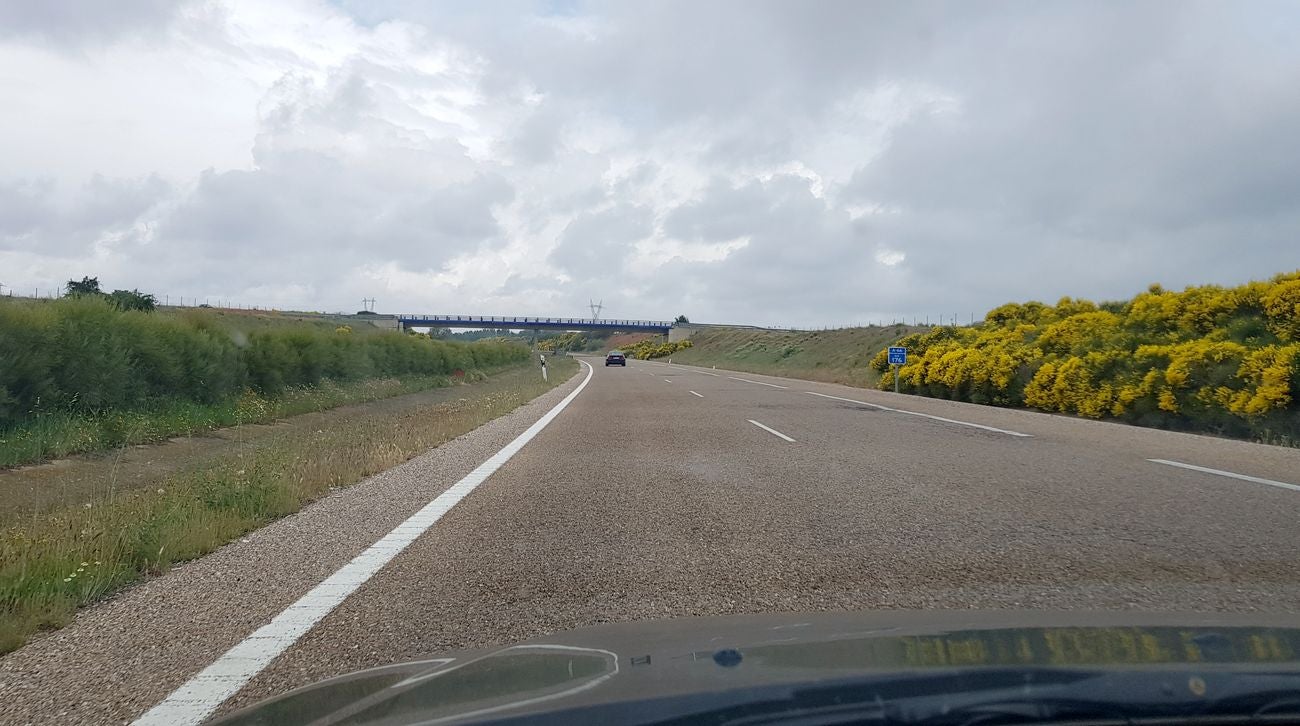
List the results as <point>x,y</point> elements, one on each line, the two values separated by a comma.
<point>667,491</point>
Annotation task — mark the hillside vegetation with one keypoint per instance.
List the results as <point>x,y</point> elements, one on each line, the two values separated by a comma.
<point>1223,360</point>
<point>85,358</point>
<point>832,356</point>
<point>100,541</point>
<point>620,341</point>
<point>655,347</point>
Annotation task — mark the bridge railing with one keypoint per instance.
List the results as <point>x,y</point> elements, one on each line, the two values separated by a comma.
<point>488,320</point>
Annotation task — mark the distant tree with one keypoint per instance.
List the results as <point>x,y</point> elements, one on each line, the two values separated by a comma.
<point>87,286</point>
<point>133,300</point>
<point>682,319</point>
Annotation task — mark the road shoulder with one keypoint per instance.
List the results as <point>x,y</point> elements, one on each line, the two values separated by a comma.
<point>123,655</point>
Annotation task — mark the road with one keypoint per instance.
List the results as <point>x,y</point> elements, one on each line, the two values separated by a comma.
<point>667,491</point>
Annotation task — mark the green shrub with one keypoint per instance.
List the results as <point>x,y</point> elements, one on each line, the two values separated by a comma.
<point>84,355</point>
<point>1207,358</point>
<point>652,348</point>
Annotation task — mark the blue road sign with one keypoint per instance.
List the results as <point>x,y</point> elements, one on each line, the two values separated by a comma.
<point>897,356</point>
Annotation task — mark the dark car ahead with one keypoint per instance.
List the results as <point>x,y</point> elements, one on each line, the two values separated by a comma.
<point>616,358</point>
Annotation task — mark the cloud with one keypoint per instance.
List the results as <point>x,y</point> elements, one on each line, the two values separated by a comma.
<point>1098,172</point>
<point>70,22</point>
<point>102,210</point>
<point>743,161</point>
<point>800,255</point>
<point>597,244</point>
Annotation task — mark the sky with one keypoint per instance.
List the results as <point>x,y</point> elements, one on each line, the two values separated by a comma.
<point>741,161</point>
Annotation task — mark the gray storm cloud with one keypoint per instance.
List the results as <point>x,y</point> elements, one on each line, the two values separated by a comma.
<point>754,161</point>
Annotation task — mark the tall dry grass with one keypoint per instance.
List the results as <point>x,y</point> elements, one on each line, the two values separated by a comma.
<point>53,564</point>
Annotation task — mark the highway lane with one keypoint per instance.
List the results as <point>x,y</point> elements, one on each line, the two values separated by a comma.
<point>658,494</point>
<point>1281,464</point>
<point>666,491</point>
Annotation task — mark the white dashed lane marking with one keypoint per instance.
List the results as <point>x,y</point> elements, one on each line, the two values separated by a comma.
<point>770,430</point>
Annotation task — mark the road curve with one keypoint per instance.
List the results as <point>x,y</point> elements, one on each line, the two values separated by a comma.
<point>667,491</point>
<point>648,500</point>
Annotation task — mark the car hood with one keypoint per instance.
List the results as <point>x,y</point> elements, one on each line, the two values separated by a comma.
<point>609,663</point>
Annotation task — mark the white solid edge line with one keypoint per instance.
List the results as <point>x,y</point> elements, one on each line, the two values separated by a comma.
<point>850,400</point>
<point>746,380</point>
<point>203,693</point>
<point>1229,474</point>
<point>925,415</point>
<point>770,430</point>
<point>693,393</point>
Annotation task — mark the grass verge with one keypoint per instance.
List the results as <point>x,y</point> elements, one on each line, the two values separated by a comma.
<point>53,564</point>
<point>831,356</point>
<point>56,435</point>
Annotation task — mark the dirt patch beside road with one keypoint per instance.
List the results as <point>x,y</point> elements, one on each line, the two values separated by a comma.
<point>34,490</point>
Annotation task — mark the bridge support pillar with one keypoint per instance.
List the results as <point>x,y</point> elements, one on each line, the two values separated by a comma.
<point>681,332</point>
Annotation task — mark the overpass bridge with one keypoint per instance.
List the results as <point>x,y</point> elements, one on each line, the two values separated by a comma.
<point>661,327</point>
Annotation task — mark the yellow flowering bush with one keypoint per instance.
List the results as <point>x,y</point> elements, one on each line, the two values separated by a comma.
<point>1208,358</point>
<point>1271,376</point>
<point>571,340</point>
<point>651,348</point>
<point>1282,306</point>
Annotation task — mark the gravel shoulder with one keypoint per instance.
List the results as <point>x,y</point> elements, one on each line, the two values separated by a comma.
<point>125,654</point>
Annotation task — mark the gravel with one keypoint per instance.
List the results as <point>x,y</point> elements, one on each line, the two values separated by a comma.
<point>125,654</point>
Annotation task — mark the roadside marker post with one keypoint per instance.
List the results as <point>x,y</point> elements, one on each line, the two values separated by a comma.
<point>897,357</point>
